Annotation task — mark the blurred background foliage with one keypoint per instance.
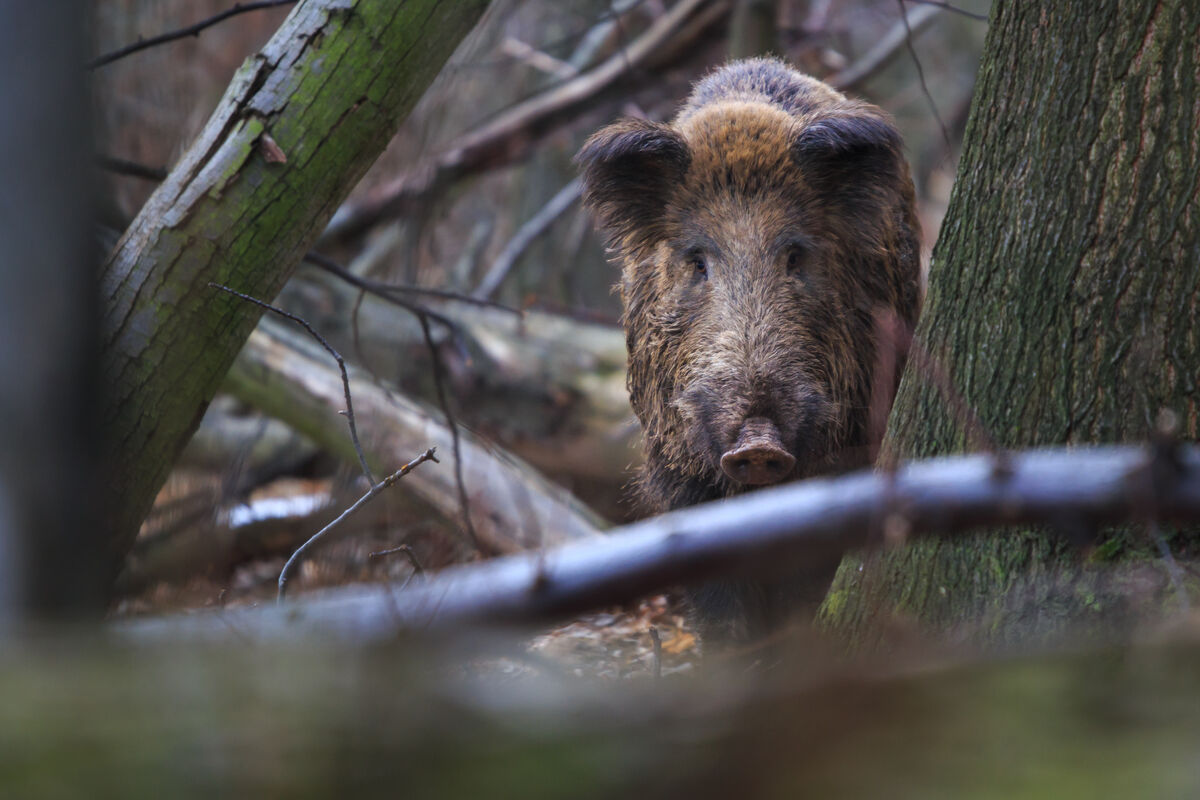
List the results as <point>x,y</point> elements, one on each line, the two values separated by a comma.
<point>149,106</point>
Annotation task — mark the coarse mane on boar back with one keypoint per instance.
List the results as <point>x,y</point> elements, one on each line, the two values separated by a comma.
<point>759,234</point>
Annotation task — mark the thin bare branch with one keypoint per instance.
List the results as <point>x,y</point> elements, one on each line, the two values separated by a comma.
<point>656,640</point>
<point>440,389</point>
<point>428,455</point>
<point>908,40</point>
<point>408,553</point>
<point>389,290</point>
<point>537,59</point>
<point>892,341</point>
<point>512,505</point>
<point>133,169</point>
<point>885,49</point>
<point>183,33</point>
<point>964,414</point>
<point>423,316</point>
<point>534,227</point>
<point>362,459</point>
<point>511,133</point>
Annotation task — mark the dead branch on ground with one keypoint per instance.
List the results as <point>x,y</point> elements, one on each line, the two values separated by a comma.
<point>512,507</point>
<point>804,523</point>
<point>549,388</point>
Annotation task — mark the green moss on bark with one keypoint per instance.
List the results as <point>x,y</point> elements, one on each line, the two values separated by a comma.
<point>330,88</point>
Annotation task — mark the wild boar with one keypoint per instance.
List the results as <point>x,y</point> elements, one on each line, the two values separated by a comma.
<point>759,233</point>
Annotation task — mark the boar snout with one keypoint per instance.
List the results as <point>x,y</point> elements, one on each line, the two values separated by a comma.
<point>758,457</point>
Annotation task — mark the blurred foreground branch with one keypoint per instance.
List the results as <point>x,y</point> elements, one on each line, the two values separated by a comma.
<point>810,522</point>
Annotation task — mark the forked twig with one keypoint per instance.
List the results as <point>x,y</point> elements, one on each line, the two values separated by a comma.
<point>423,315</point>
<point>440,389</point>
<point>406,550</point>
<point>428,455</point>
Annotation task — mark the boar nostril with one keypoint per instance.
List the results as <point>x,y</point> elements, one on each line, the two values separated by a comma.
<point>758,465</point>
<point>758,457</point>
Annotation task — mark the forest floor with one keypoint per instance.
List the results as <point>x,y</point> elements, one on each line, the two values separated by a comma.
<point>615,643</point>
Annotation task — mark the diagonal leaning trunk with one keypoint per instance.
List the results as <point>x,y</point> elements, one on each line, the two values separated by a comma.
<point>1063,300</point>
<point>299,125</point>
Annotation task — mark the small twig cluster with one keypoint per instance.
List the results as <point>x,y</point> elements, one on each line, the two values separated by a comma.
<point>375,488</point>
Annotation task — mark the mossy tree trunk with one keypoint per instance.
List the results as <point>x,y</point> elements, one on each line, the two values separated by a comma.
<point>1063,303</point>
<point>299,125</point>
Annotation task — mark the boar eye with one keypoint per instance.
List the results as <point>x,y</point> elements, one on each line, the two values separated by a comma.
<point>699,266</point>
<point>797,259</point>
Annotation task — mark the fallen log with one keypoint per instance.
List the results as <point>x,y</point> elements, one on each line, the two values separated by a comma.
<point>546,387</point>
<point>512,507</point>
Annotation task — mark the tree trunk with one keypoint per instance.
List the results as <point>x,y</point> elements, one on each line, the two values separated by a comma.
<point>299,125</point>
<point>1063,304</point>
<point>48,559</point>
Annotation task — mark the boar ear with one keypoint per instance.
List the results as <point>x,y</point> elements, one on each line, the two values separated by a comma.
<point>629,169</point>
<point>853,136</point>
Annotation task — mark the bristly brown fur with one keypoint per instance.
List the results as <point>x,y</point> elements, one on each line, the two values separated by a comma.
<point>758,234</point>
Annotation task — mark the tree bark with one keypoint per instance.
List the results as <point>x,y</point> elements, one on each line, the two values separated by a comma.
<point>1063,303</point>
<point>299,125</point>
